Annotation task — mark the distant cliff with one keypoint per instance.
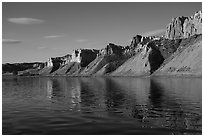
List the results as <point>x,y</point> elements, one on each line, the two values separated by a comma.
<point>54,64</point>
<point>179,52</point>
<point>18,68</point>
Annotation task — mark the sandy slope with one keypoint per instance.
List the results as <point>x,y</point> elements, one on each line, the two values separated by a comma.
<point>136,65</point>
<point>102,65</point>
<point>67,69</point>
<point>184,62</point>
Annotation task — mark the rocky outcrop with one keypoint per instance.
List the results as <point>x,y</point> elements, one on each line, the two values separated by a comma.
<point>70,68</point>
<point>112,54</point>
<point>193,25</point>
<point>54,64</point>
<point>141,40</point>
<point>184,27</point>
<point>58,61</point>
<point>66,59</point>
<point>111,49</point>
<point>167,46</point>
<point>79,59</point>
<point>84,56</point>
<point>145,62</point>
<point>179,52</point>
<point>136,40</point>
<point>187,60</point>
<point>17,67</point>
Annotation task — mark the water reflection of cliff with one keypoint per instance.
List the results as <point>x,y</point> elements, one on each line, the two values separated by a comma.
<point>159,102</point>
<point>63,90</point>
<point>179,100</point>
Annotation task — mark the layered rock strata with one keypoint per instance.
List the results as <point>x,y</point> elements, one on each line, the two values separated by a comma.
<point>178,52</point>
<point>184,27</point>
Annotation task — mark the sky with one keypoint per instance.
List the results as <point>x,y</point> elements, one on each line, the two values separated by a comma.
<point>37,31</point>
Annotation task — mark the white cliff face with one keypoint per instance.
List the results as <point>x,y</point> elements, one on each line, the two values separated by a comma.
<point>58,60</point>
<point>184,27</point>
<point>102,52</point>
<point>66,59</point>
<point>49,62</point>
<point>193,25</point>
<point>76,56</point>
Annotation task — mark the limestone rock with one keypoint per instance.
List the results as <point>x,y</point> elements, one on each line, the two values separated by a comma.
<point>68,69</point>
<point>136,40</point>
<point>193,25</point>
<point>84,56</point>
<point>111,49</point>
<point>145,62</point>
<point>112,54</point>
<point>57,61</point>
<point>184,27</point>
<point>54,64</point>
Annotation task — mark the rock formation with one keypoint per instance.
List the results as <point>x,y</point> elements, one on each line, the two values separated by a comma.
<point>193,25</point>
<point>179,52</point>
<point>111,49</point>
<point>79,59</point>
<point>54,64</point>
<point>17,67</point>
<point>187,60</point>
<point>57,61</point>
<point>145,62</point>
<point>84,56</point>
<point>184,27</point>
<point>112,54</point>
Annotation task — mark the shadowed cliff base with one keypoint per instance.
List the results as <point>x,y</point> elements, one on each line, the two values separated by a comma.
<point>187,60</point>
<point>155,57</point>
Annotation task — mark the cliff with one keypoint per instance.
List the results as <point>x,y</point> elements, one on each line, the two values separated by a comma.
<point>20,67</point>
<point>146,61</point>
<point>184,27</point>
<point>54,64</point>
<point>187,60</point>
<point>179,52</point>
<point>79,59</point>
<point>84,56</point>
<point>107,60</point>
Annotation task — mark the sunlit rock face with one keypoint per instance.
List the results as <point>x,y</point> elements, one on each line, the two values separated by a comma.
<point>66,59</point>
<point>53,62</point>
<point>136,40</point>
<point>39,66</point>
<point>186,60</point>
<point>107,60</point>
<point>144,62</point>
<point>193,25</point>
<point>137,44</point>
<point>58,61</point>
<point>184,27</point>
<point>142,40</point>
<point>111,49</point>
<point>84,56</point>
<point>143,56</point>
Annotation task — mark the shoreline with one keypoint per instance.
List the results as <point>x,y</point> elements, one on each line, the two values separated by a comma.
<point>111,76</point>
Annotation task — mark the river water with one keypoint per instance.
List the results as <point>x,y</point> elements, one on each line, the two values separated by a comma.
<point>98,105</point>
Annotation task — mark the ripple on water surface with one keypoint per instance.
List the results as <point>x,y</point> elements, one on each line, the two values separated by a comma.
<point>60,105</point>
